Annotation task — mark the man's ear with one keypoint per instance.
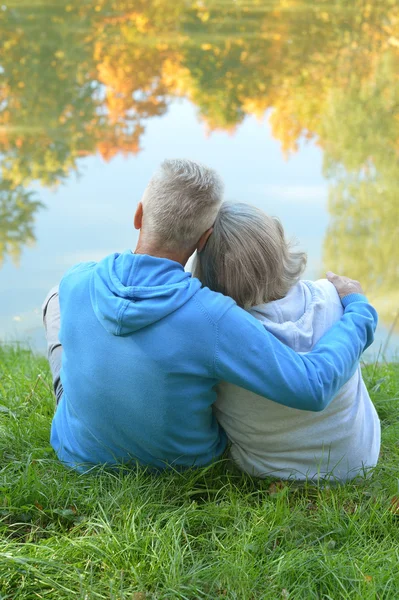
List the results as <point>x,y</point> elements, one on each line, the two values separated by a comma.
<point>138,217</point>
<point>203,239</point>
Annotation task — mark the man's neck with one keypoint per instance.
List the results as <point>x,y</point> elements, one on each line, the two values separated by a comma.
<point>151,250</point>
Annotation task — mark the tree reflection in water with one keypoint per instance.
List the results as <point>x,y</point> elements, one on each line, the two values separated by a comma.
<point>80,78</point>
<point>17,212</point>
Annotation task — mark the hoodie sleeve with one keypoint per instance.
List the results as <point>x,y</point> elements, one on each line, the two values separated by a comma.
<point>252,358</point>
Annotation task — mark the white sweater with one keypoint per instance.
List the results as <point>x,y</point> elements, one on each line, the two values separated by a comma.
<point>269,439</point>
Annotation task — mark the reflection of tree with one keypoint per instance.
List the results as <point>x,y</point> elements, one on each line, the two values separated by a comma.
<point>77,78</point>
<point>363,235</point>
<point>17,213</point>
<point>229,59</point>
<point>362,159</point>
<point>46,100</point>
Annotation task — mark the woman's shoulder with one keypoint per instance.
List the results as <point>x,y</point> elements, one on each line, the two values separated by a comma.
<point>326,288</point>
<point>326,300</point>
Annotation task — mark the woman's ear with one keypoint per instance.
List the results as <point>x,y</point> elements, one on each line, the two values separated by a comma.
<point>203,239</point>
<point>138,217</point>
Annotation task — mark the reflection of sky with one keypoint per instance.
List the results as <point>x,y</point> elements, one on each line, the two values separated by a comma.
<point>91,216</point>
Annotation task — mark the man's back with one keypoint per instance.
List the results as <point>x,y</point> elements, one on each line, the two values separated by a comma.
<point>137,373</point>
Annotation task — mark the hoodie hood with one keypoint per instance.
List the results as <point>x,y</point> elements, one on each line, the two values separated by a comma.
<point>295,318</point>
<point>131,291</point>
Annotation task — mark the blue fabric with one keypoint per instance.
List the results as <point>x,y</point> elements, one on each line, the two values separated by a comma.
<point>351,298</point>
<point>144,346</point>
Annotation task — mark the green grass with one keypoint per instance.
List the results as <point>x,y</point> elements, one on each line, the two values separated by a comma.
<point>204,534</point>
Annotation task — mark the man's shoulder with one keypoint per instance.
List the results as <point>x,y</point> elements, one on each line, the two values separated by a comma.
<point>213,304</point>
<point>78,270</point>
<point>74,284</point>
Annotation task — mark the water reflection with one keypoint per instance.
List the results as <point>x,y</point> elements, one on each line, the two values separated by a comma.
<point>80,78</point>
<point>17,213</point>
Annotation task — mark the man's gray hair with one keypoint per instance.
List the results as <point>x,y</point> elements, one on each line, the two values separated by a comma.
<point>247,257</point>
<point>180,203</point>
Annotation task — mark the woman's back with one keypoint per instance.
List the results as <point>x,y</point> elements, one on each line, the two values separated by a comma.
<point>271,439</point>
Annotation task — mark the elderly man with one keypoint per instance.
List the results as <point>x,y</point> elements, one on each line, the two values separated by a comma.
<point>143,344</point>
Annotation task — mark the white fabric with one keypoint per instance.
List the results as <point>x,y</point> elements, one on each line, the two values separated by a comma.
<point>269,439</point>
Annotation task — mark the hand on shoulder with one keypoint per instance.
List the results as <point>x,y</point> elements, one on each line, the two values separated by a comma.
<point>344,285</point>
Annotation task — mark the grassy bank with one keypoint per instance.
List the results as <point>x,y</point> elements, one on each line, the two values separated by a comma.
<point>204,534</point>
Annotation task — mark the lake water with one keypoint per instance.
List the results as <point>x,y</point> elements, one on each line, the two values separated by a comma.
<point>296,105</point>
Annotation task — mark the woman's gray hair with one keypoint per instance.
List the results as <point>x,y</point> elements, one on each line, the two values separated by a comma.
<point>180,203</point>
<point>247,257</point>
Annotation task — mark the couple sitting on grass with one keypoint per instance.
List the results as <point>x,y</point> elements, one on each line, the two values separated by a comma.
<point>155,366</point>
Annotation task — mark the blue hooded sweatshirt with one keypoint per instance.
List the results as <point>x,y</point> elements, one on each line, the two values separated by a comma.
<point>143,348</point>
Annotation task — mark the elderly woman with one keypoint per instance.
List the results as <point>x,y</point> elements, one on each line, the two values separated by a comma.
<point>248,258</point>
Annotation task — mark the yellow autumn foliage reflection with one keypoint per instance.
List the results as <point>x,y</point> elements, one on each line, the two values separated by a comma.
<point>80,78</point>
